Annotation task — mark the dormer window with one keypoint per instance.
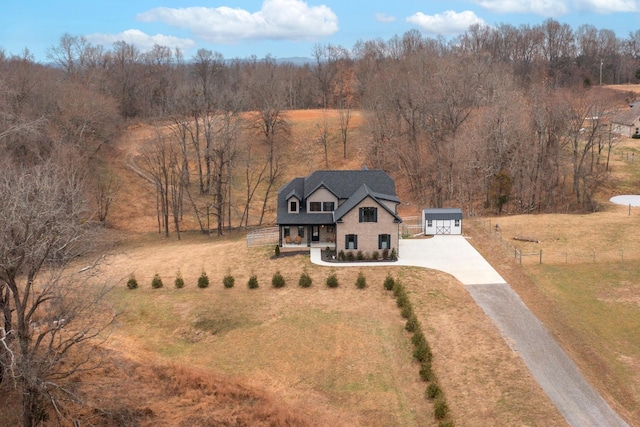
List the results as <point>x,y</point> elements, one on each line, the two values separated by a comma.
<point>293,206</point>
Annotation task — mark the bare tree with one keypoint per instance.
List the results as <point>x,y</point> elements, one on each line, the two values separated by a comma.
<point>50,318</point>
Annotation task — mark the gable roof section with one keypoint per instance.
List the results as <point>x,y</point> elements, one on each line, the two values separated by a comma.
<point>343,184</point>
<point>627,117</point>
<point>442,213</point>
<point>362,193</point>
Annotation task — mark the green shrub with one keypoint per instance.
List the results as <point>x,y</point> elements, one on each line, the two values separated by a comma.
<point>179,282</point>
<point>398,289</point>
<point>332,281</point>
<point>203,280</point>
<point>407,311</point>
<point>418,338</point>
<point>446,424</point>
<point>341,255</point>
<point>360,256</point>
<point>156,282</point>
<point>375,255</point>
<point>394,255</point>
<point>389,282</point>
<point>277,250</point>
<point>440,409</point>
<point>132,283</point>
<point>402,300</point>
<point>350,256</point>
<point>412,324</point>
<point>426,373</point>
<point>361,281</point>
<point>253,282</point>
<point>433,391</point>
<point>422,352</point>
<point>228,281</point>
<point>385,253</point>
<point>305,280</point>
<point>277,281</point>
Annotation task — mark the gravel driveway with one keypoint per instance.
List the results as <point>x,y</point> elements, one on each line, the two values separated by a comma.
<point>556,373</point>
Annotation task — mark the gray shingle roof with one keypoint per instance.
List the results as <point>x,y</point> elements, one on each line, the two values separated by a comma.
<point>627,117</point>
<point>442,213</point>
<point>343,184</point>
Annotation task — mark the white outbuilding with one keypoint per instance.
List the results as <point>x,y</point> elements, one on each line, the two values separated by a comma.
<point>442,221</point>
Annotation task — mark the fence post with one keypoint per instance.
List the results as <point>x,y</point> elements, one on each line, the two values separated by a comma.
<point>540,256</point>
<point>520,258</point>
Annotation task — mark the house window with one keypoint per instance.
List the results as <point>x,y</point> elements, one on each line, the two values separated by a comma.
<point>315,206</point>
<point>293,206</point>
<point>327,206</point>
<point>301,231</point>
<point>457,223</point>
<point>384,241</point>
<point>351,241</point>
<point>368,214</point>
<point>329,228</point>
<point>286,231</point>
<point>429,223</point>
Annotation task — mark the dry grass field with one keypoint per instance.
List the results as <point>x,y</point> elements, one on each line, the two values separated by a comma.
<point>341,357</point>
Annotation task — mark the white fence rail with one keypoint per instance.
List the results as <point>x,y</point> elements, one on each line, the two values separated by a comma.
<point>263,237</point>
<point>411,226</point>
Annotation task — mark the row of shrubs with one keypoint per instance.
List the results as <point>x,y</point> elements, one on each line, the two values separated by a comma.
<point>277,281</point>
<point>364,256</point>
<point>421,352</point>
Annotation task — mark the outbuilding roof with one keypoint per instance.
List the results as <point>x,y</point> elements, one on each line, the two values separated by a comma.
<point>628,117</point>
<point>442,213</point>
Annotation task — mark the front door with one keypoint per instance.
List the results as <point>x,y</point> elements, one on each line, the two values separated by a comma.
<point>315,233</point>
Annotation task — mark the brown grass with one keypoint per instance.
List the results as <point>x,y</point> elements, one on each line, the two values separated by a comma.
<point>319,356</point>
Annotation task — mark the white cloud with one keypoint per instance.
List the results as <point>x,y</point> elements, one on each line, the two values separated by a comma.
<point>448,22</point>
<point>383,17</point>
<point>278,19</point>
<point>141,40</point>
<point>552,8</point>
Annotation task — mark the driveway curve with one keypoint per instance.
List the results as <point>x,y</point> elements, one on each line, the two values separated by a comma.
<point>549,364</point>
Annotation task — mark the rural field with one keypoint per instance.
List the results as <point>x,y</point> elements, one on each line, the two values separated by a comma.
<point>319,356</point>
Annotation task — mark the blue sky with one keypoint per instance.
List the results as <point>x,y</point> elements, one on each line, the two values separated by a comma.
<point>282,28</point>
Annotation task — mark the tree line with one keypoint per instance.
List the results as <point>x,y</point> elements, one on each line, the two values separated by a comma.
<point>498,119</point>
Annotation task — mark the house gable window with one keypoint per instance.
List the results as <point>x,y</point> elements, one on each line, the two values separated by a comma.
<point>315,206</point>
<point>384,241</point>
<point>328,206</point>
<point>351,241</point>
<point>293,206</point>
<point>368,214</point>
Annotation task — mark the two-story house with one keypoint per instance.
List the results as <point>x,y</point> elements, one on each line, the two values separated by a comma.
<point>347,210</point>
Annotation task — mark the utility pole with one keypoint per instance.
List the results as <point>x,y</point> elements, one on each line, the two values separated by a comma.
<point>601,61</point>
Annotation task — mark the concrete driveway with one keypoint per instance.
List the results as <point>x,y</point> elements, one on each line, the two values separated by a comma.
<point>554,370</point>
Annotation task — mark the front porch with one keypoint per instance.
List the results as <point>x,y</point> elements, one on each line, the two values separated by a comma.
<point>313,236</point>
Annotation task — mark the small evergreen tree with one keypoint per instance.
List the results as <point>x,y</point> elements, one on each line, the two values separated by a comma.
<point>277,250</point>
<point>305,280</point>
<point>389,282</point>
<point>332,281</point>
<point>179,282</point>
<point>132,283</point>
<point>203,280</point>
<point>361,281</point>
<point>228,281</point>
<point>156,282</point>
<point>253,282</point>
<point>277,281</point>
